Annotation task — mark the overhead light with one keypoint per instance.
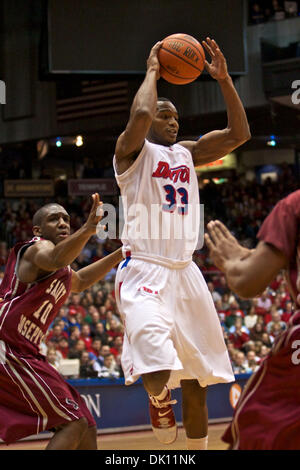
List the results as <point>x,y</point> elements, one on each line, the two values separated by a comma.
<point>272,142</point>
<point>79,141</point>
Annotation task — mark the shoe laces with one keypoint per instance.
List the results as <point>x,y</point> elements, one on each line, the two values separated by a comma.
<point>161,403</point>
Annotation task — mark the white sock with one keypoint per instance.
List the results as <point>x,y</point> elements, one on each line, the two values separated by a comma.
<point>163,394</point>
<point>197,444</point>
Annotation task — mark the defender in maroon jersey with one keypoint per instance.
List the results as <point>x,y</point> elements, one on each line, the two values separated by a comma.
<point>38,279</point>
<point>267,415</point>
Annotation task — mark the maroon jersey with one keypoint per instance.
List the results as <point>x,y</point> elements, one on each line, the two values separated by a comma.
<point>33,395</point>
<point>27,310</point>
<point>282,229</point>
<point>267,415</point>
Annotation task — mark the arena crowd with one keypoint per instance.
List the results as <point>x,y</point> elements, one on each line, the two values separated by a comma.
<point>88,326</point>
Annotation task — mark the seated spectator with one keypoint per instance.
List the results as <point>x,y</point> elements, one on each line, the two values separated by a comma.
<point>251,318</point>
<point>287,312</point>
<point>238,323</point>
<point>86,366</point>
<point>215,295</point>
<point>264,303</point>
<point>95,352</point>
<point>56,334</point>
<point>276,331</point>
<point>99,332</point>
<point>85,334</point>
<point>117,346</point>
<point>113,330</point>
<point>267,340</point>
<point>256,332</point>
<point>74,335</point>
<point>53,357</point>
<point>63,347</point>
<point>253,361</point>
<point>233,313</point>
<point>75,352</point>
<point>74,304</point>
<point>264,351</point>
<point>109,369</point>
<point>240,364</point>
<point>238,338</point>
<point>231,350</point>
<point>276,319</point>
<point>225,302</point>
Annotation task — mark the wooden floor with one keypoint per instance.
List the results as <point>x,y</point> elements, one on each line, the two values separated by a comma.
<point>142,440</point>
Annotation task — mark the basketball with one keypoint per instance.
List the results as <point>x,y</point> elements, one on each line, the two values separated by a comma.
<point>181,59</point>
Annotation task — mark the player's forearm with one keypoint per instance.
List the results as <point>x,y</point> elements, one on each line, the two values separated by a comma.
<point>65,252</point>
<point>243,278</point>
<point>237,120</point>
<point>145,100</point>
<point>96,271</point>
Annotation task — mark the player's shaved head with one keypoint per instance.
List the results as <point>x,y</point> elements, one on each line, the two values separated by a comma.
<point>43,211</point>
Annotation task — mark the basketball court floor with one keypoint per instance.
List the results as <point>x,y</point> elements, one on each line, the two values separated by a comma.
<point>141,440</point>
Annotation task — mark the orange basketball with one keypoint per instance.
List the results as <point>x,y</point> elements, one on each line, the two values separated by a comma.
<point>181,59</point>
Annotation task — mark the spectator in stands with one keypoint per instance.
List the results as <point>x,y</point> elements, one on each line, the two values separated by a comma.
<point>117,346</point>
<point>109,369</point>
<point>256,332</point>
<point>276,319</point>
<point>74,336</point>
<point>240,364</point>
<point>238,324</point>
<point>238,338</point>
<point>85,335</point>
<point>86,369</point>
<point>53,357</point>
<point>287,312</point>
<point>95,352</point>
<point>267,340</point>
<point>251,318</point>
<point>99,332</point>
<point>233,313</point>
<point>264,302</point>
<point>253,361</point>
<point>75,352</point>
<point>215,295</point>
<point>75,306</point>
<point>56,334</point>
<point>63,347</point>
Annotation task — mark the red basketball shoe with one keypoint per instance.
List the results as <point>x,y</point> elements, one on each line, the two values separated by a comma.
<point>163,419</point>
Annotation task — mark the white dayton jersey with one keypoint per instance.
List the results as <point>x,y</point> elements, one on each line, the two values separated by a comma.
<point>161,204</point>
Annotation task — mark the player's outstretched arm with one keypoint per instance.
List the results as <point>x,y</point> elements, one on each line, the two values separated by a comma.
<point>218,143</point>
<point>142,112</point>
<point>86,277</point>
<point>248,272</point>
<point>45,256</point>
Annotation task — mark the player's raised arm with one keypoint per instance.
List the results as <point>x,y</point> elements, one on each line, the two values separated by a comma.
<point>248,272</point>
<point>58,248</point>
<point>142,112</point>
<point>86,277</point>
<point>218,143</point>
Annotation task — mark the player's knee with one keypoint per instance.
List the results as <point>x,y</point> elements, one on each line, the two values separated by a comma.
<point>154,382</point>
<point>81,424</point>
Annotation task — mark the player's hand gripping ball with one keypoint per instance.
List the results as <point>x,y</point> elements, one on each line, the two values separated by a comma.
<point>181,58</point>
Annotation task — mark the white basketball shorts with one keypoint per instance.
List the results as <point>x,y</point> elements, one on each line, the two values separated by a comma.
<point>170,323</point>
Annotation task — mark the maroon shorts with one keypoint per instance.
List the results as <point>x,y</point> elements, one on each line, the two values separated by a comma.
<point>34,397</point>
<point>267,415</point>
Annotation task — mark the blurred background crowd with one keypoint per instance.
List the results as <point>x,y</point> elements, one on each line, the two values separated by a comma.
<point>89,327</point>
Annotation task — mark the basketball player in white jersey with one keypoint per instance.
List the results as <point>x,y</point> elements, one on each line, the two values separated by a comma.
<point>173,335</point>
